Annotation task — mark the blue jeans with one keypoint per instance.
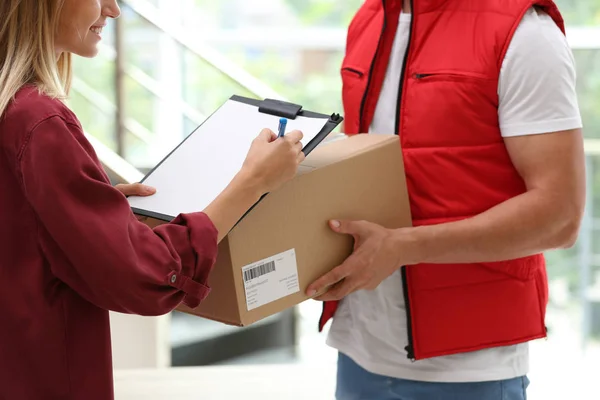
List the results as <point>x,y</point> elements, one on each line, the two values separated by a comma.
<point>355,383</point>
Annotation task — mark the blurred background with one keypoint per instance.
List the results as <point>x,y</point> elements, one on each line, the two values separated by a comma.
<point>167,64</point>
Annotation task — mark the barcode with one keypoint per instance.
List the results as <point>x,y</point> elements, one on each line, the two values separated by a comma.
<point>259,271</point>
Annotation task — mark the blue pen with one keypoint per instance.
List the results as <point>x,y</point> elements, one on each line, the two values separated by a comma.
<point>282,125</point>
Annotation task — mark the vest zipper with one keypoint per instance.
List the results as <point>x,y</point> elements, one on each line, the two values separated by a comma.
<point>364,99</point>
<point>410,349</point>
<point>404,62</point>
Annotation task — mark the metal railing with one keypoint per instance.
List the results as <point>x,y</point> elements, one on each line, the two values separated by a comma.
<point>107,107</point>
<point>116,166</point>
<point>150,84</point>
<point>150,13</point>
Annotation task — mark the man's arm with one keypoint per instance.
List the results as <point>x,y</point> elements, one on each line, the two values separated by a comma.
<point>546,216</point>
<point>538,115</point>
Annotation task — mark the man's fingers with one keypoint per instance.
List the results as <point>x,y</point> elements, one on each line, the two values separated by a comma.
<point>327,295</point>
<point>340,290</point>
<point>329,279</point>
<point>356,228</point>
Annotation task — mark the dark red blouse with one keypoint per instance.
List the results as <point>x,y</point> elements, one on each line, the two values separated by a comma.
<point>70,250</point>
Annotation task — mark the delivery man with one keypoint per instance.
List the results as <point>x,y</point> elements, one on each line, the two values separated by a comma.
<point>482,95</point>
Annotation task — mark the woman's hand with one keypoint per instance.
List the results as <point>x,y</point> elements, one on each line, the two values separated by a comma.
<point>272,161</point>
<point>135,189</point>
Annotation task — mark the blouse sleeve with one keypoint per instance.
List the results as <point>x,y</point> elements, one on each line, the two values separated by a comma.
<point>92,240</point>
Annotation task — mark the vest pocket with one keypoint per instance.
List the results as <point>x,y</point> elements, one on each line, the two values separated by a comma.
<point>449,76</point>
<point>354,82</point>
<point>353,71</point>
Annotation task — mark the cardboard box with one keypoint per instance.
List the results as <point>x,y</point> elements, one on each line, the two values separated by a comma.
<point>282,245</point>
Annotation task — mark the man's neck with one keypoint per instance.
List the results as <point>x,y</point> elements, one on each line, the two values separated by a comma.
<point>406,6</point>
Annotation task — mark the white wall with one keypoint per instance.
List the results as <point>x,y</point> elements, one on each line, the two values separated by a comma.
<point>140,342</point>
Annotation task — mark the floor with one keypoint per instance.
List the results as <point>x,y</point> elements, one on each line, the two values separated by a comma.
<point>560,369</point>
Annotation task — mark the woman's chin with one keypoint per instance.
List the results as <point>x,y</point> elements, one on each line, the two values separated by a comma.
<point>90,52</point>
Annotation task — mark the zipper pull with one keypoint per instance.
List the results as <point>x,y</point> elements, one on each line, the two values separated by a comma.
<point>410,353</point>
<point>421,76</point>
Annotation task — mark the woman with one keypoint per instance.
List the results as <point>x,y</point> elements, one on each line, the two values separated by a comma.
<point>70,247</point>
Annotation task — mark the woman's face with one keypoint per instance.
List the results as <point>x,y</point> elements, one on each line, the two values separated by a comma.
<point>80,25</point>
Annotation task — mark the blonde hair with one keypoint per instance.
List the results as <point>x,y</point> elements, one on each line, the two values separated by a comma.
<point>27,52</point>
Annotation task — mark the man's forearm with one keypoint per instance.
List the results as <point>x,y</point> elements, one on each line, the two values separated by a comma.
<point>524,225</point>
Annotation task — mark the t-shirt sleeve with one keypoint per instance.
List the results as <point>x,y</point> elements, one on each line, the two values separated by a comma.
<point>93,241</point>
<point>537,80</point>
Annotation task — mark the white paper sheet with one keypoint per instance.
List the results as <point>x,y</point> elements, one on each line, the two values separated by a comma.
<point>194,175</point>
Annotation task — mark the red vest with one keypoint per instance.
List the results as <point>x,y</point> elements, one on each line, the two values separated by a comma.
<point>456,162</point>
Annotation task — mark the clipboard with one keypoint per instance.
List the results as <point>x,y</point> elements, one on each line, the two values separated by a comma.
<point>193,174</point>
<point>280,109</point>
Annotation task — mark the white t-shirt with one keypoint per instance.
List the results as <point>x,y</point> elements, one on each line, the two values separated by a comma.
<point>536,95</point>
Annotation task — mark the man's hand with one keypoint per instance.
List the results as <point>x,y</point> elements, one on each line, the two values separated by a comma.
<point>375,257</point>
<point>135,189</point>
